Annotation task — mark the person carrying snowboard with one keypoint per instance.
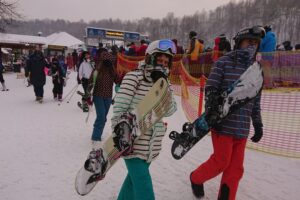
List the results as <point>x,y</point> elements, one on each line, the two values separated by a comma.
<point>229,137</point>
<point>84,74</point>
<point>135,85</point>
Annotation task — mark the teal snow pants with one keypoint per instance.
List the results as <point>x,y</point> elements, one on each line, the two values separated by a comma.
<point>137,184</point>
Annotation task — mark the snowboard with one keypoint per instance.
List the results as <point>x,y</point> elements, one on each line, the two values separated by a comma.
<point>247,87</point>
<point>149,111</point>
<point>83,105</point>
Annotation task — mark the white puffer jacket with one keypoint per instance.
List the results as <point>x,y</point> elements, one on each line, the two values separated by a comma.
<point>132,90</point>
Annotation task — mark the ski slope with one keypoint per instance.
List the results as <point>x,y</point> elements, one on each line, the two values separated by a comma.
<point>43,146</point>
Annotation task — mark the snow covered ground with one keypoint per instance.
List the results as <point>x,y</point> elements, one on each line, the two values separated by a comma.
<point>43,146</point>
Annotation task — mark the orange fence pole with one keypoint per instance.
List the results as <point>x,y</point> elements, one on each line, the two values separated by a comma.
<point>201,95</point>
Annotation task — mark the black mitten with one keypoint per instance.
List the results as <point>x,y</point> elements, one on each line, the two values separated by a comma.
<point>78,80</point>
<point>157,74</point>
<point>258,133</point>
<point>211,106</point>
<point>212,118</point>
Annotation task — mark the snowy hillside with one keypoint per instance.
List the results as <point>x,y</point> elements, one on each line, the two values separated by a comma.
<point>43,146</point>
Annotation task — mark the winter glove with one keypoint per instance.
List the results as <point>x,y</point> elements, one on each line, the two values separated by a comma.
<point>78,80</point>
<point>64,82</point>
<point>89,101</point>
<point>212,118</point>
<point>211,106</point>
<point>258,133</point>
<point>117,87</point>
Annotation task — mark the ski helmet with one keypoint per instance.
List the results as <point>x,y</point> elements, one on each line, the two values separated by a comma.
<point>157,47</point>
<point>161,46</point>
<point>255,32</point>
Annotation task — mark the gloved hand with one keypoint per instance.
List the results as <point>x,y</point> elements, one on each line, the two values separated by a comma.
<point>212,118</point>
<point>117,87</point>
<point>89,101</point>
<point>78,80</point>
<point>258,133</point>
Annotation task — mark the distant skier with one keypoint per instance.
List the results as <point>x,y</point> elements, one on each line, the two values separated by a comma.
<point>138,184</point>
<point>229,137</point>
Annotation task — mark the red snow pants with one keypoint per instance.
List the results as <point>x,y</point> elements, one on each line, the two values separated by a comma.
<point>227,158</point>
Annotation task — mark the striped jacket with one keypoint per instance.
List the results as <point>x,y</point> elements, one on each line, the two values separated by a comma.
<point>132,90</point>
<point>225,71</point>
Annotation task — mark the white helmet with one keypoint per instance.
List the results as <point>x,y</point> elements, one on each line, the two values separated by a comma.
<point>164,46</point>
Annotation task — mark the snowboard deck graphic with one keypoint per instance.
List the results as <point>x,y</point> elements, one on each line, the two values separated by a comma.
<point>149,111</point>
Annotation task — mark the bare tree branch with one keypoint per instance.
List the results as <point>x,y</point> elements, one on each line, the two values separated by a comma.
<point>8,14</point>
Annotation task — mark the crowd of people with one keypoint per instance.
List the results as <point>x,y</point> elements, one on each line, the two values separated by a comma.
<point>97,74</point>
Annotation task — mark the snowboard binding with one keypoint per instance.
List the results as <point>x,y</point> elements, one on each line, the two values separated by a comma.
<point>124,133</point>
<point>190,135</point>
<point>187,135</point>
<point>96,163</point>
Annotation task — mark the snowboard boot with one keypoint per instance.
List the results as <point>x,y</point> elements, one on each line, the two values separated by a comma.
<point>85,106</point>
<point>224,195</point>
<point>55,96</point>
<point>4,87</point>
<point>198,189</point>
<point>60,97</point>
<point>40,100</point>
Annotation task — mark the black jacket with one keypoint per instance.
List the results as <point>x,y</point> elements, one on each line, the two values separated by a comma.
<point>35,68</point>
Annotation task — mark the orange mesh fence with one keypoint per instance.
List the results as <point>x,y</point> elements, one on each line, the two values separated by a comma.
<point>281,69</point>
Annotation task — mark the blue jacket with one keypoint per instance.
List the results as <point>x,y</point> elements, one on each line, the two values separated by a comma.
<point>268,43</point>
<point>224,73</point>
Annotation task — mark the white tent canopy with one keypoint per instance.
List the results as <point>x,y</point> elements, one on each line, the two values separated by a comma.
<point>63,39</point>
<point>15,39</point>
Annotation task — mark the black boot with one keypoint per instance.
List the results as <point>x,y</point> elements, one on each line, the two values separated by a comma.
<point>224,195</point>
<point>198,189</point>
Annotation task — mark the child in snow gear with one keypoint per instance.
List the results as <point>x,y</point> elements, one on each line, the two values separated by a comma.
<point>229,137</point>
<point>138,184</point>
<point>84,74</point>
<point>58,79</point>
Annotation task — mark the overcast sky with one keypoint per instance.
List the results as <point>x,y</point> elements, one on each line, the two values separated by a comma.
<point>74,10</point>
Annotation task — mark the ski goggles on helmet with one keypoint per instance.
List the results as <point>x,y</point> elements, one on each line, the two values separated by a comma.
<point>256,32</point>
<point>165,45</point>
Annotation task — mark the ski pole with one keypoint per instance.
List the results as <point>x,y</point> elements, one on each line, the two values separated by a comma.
<point>72,91</point>
<point>72,94</point>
